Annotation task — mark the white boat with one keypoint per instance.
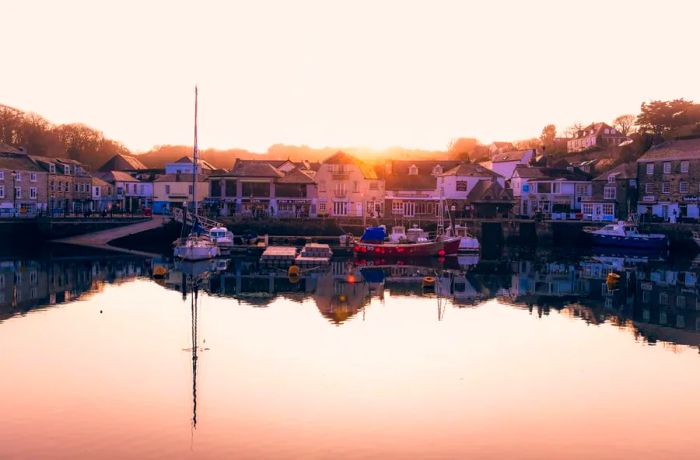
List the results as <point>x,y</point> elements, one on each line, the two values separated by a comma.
<point>222,237</point>
<point>467,242</point>
<point>197,245</point>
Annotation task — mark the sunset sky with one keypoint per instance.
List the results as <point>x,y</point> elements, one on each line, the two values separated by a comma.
<point>360,73</point>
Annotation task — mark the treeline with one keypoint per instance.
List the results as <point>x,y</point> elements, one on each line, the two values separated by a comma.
<point>40,137</point>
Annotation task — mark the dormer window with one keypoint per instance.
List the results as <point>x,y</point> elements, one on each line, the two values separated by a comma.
<point>66,170</point>
<point>611,178</point>
<point>437,170</point>
<point>413,170</point>
<point>52,169</point>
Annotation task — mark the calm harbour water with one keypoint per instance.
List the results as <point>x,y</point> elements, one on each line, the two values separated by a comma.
<point>530,356</point>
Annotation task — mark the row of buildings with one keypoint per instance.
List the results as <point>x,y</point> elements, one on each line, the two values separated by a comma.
<point>663,182</point>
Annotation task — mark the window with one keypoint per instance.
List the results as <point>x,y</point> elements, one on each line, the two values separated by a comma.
<point>461,186</point>
<point>340,189</point>
<point>32,193</point>
<point>685,166</point>
<point>611,178</point>
<point>413,170</point>
<point>97,191</point>
<point>2,191</point>
<point>397,207</point>
<point>2,175</point>
<point>609,209</point>
<point>340,208</point>
<point>76,188</point>
<point>322,207</point>
<point>167,189</point>
<point>190,189</point>
<point>556,187</point>
<point>18,192</point>
<point>665,187</point>
<point>18,176</point>
<point>66,170</point>
<point>52,186</point>
<point>663,298</point>
<point>32,177</point>
<point>356,187</point>
<point>650,169</point>
<point>646,296</point>
<point>544,187</point>
<point>683,187</point>
<point>437,170</point>
<point>667,167</point>
<point>322,186</point>
<point>374,185</point>
<point>610,193</point>
<point>648,188</point>
<point>680,301</point>
<point>52,169</point>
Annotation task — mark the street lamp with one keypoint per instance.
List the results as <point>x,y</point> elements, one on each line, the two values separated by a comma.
<point>14,194</point>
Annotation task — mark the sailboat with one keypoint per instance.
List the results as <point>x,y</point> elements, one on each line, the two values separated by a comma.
<point>197,245</point>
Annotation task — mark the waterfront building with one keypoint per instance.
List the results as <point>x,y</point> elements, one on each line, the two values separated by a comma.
<point>457,184</point>
<point>128,193</point>
<point>595,135</point>
<point>614,195</point>
<point>553,192</point>
<point>669,180</point>
<point>69,185</point>
<point>411,187</point>
<point>280,188</point>
<point>505,163</point>
<point>348,187</point>
<point>175,191</point>
<point>23,185</point>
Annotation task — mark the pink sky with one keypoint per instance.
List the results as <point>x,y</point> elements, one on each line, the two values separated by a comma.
<point>364,73</point>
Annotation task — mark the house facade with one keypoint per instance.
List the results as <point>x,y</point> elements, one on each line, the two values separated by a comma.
<point>555,193</point>
<point>185,165</point>
<point>128,193</point>
<point>669,181</point>
<point>23,186</point>
<point>69,185</point>
<point>595,135</point>
<point>102,193</point>
<point>614,195</point>
<point>279,188</point>
<point>348,187</point>
<point>456,184</point>
<point>176,191</point>
<point>411,187</point>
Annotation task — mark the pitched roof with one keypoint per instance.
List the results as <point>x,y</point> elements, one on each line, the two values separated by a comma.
<point>542,173</point>
<point>18,161</point>
<point>513,155</point>
<point>121,162</point>
<point>255,168</point>
<point>684,149</point>
<point>622,171</point>
<point>7,148</point>
<point>410,182</point>
<point>487,190</point>
<point>342,158</point>
<point>117,176</point>
<point>203,163</point>
<point>97,181</point>
<point>180,178</point>
<point>471,170</point>
<point>296,176</point>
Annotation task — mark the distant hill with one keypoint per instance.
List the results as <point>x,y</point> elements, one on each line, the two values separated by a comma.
<point>160,155</point>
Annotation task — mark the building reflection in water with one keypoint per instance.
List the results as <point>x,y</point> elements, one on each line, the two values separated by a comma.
<point>27,284</point>
<point>654,299</point>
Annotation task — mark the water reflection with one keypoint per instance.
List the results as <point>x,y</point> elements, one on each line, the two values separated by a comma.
<point>656,300</point>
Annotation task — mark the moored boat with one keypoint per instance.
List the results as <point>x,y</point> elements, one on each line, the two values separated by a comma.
<point>373,243</point>
<point>626,234</point>
<point>222,237</point>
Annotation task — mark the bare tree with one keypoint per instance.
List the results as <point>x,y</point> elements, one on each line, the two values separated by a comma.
<point>624,123</point>
<point>573,129</point>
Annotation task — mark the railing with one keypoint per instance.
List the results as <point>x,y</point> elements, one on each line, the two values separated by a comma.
<point>206,223</point>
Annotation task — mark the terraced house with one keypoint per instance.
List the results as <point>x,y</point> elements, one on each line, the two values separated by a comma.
<point>23,184</point>
<point>69,185</point>
<point>669,181</point>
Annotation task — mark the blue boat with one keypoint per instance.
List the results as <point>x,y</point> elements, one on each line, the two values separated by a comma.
<point>626,235</point>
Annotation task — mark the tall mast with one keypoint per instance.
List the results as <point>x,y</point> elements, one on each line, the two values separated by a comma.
<point>196,156</point>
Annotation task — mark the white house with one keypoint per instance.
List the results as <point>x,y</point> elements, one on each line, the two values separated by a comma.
<point>175,190</point>
<point>554,192</point>
<point>505,163</point>
<point>185,165</point>
<point>348,187</point>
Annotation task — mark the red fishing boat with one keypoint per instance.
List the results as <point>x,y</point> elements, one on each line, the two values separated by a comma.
<point>372,243</point>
